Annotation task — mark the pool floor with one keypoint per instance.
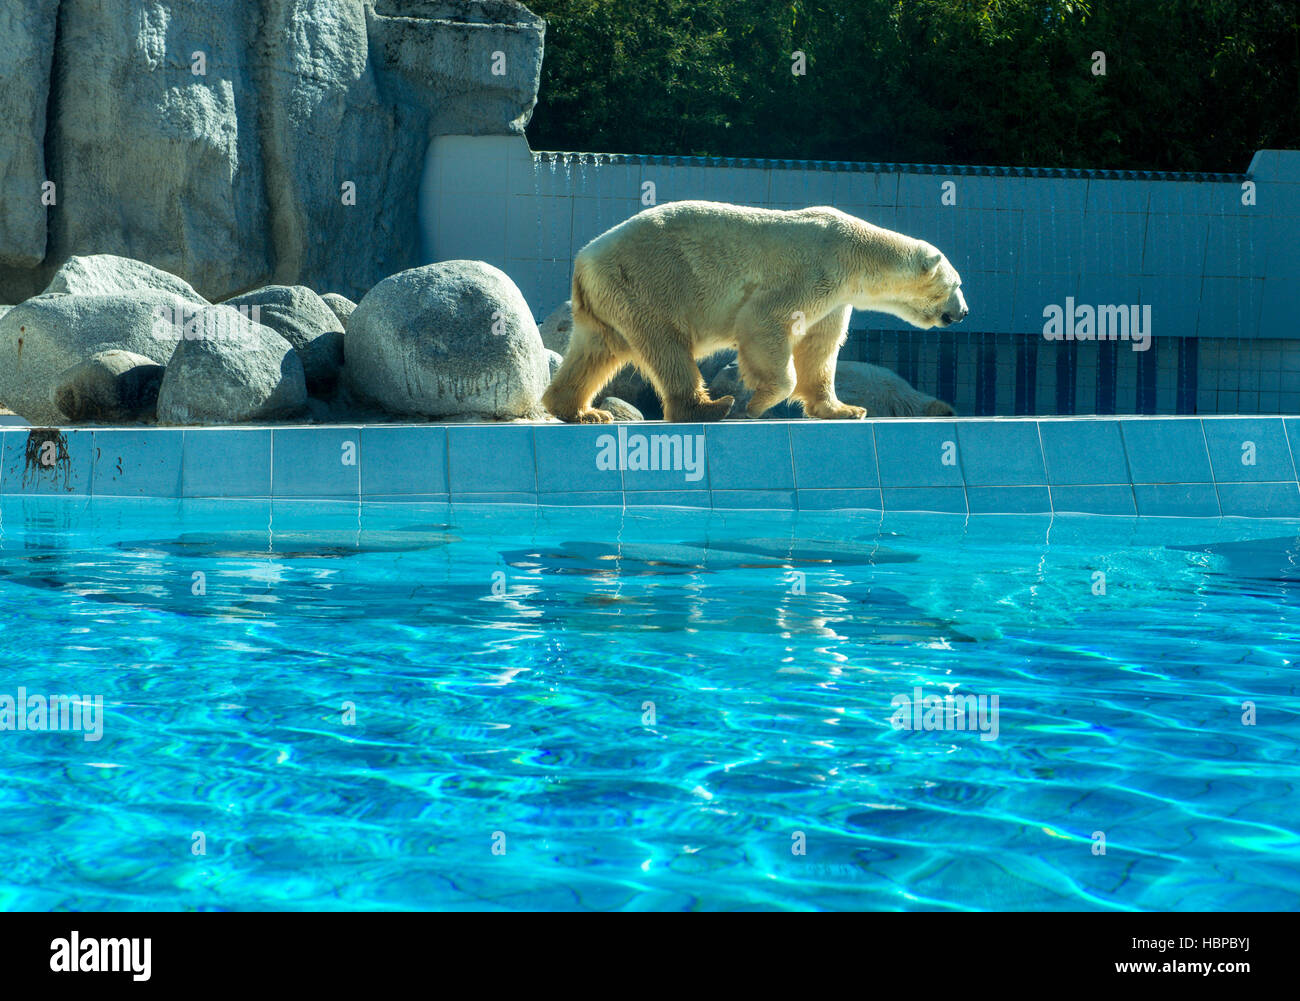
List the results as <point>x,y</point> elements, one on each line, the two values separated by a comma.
<point>326,705</point>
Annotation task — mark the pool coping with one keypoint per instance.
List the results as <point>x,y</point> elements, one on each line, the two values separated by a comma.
<point>1133,466</point>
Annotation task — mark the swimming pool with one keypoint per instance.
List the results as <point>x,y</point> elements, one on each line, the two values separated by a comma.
<point>333,705</point>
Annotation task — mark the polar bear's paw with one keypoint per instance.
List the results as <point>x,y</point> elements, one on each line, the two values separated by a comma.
<point>699,409</point>
<point>591,415</point>
<point>838,412</point>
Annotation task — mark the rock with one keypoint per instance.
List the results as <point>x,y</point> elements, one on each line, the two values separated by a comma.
<point>229,369</point>
<point>447,339</point>
<point>110,386</point>
<point>727,382</point>
<point>619,409</point>
<point>884,393</point>
<point>307,322</point>
<point>43,337</point>
<point>712,365</point>
<point>104,274</point>
<point>557,327</point>
<point>341,306</point>
<point>26,58</point>
<point>630,385</point>
<point>220,140</point>
<point>553,360</point>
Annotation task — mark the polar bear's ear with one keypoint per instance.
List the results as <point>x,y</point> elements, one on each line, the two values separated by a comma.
<point>928,258</point>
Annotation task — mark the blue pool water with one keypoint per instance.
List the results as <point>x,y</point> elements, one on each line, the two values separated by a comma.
<point>645,709</point>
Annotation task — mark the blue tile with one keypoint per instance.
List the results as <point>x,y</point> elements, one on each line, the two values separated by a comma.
<point>1114,241</point>
<point>1107,196</point>
<point>1111,499</point>
<point>491,460</point>
<point>913,454</point>
<point>227,462</point>
<point>1237,247</point>
<point>1175,246</point>
<point>834,500</point>
<point>947,500</point>
<point>833,455</point>
<point>496,497</point>
<point>1053,245</point>
<point>768,500</point>
<point>1000,453</point>
<point>1034,294</point>
<point>1175,305</point>
<point>1176,500</point>
<point>1260,500</point>
<point>1227,439</point>
<point>1009,500</point>
<point>1230,307</point>
<point>1167,451</point>
<point>570,457</point>
<point>316,462</point>
<point>1083,452</point>
<point>138,463</point>
<point>48,461</point>
<point>991,298</point>
<point>594,498</point>
<point>403,460</point>
<point>667,498</point>
<point>749,456</point>
<point>677,455</point>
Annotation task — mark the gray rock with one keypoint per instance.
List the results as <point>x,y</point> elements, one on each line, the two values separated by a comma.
<point>629,384</point>
<point>341,306</point>
<point>884,393</point>
<point>43,337</point>
<point>228,369</point>
<point>553,361</point>
<point>620,410</point>
<point>446,339</point>
<point>557,327</point>
<point>104,274</point>
<point>26,56</point>
<point>307,322</point>
<point>236,176</point>
<point>110,386</point>
<point>711,366</point>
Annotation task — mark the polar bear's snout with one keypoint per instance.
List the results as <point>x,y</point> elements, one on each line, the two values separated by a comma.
<point>956,310</point>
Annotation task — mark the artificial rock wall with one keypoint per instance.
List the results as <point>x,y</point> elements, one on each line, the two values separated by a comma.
<point>241,142</point>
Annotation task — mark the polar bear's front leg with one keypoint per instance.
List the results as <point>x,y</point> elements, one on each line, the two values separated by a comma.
<point>814,364</point>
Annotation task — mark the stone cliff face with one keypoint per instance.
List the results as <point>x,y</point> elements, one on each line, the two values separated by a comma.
<point>237,143</point>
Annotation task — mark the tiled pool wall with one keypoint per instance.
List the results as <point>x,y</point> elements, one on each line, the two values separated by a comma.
<point>1216,257</point>
<point>1137,466</point>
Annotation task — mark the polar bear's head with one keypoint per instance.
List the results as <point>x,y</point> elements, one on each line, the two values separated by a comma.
<point>925,291</point>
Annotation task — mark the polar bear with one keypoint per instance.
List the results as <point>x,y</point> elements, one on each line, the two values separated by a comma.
<point>684,280</point>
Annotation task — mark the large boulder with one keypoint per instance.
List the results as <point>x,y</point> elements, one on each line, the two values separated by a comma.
<point>448,339</point>
<point>229,369</point>
<point>111,386</point>
<point>104,274</point>
<point>341,306</point>
<point>42,338</point>
<point>238,143</point>
<point>306,321</point>
<point>557,327</point>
